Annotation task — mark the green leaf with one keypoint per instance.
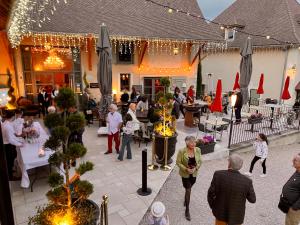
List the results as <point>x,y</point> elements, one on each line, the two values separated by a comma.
<point>52,143</point>
<point>76,122</point>
<point>55,179</point>
<point>65,98</point>
<point>53,120</point>
<point>56,159</point>
<point>84,167</point>
<point>76,150</point>
<point>60,133</point>
<point>83,188</point>
<point>58,195</point>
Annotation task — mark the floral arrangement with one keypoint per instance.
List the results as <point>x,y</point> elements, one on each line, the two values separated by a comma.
<point>256,116</point>
<point>207,139</point>
<point>29,132</point>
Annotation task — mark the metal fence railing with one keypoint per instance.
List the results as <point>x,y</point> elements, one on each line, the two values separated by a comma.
<point>273,121</point>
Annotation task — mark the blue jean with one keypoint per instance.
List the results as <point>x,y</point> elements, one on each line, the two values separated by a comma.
<point>126,139</point>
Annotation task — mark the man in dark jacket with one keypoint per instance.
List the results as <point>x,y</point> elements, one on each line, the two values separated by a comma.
<point>175,108</point>
<point>238,106</point>
<point>228,193</point>
<point>290,197</point>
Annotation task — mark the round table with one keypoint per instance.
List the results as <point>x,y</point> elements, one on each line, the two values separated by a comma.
<point>189,113</point>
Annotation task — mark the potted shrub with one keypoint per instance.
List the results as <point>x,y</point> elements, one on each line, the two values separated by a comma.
<point>166,126</point>
<point>206,144</point>
<point>68,196</point>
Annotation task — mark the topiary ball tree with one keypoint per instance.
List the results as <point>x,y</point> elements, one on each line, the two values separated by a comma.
<point>63,189</point>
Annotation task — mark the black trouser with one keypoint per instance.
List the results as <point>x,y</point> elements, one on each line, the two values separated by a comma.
<point>254,160</point>
<point>10,154</point>
<point>181,109</point>
<point>238,114</point>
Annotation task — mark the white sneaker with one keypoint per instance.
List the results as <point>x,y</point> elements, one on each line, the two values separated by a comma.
<point>263,175</point>
<point>248,174</point>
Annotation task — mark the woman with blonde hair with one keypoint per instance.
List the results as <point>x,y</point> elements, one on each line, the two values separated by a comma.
<point>189,162</point>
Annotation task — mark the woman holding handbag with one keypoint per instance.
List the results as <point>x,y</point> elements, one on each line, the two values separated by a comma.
<point>189,162</point>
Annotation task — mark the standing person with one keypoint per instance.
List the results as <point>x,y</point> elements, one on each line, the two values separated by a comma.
<point>179,99</point>
<point>142,104</point>
<point>133,94</point>
<point>18,122</point>
<point>238,106</point>
<point>10,141</point>
<point>190,94</point>
<point>290,196</point>
<point>85,106</point>
<point>124,97</point>
<point>132,113</point>
<point>189,162</point>
<point>175,108</point>
<point>44,100</point>
<point>114,120</point>
<point>128,131</point>
<point>54,92</point>
<point>261,153</point>
<point>228,193</point>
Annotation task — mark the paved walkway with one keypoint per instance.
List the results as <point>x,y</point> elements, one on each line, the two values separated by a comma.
<point>264,212</point>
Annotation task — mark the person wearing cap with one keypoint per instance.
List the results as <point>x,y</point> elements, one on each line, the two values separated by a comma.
<point>189,162</point>
<point>157,214</point>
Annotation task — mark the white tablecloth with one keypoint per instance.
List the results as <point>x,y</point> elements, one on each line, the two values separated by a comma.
<point>28,157</point>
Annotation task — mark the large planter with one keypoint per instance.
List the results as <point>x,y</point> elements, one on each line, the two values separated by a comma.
<point>89,204</point>
<point>207,148</point>
<point>160,148</point>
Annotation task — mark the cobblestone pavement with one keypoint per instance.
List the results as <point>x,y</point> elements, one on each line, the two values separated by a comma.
<point>268,189</point>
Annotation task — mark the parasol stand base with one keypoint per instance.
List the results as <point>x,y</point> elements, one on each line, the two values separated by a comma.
<point>165,167</point>
<point>152,167</point>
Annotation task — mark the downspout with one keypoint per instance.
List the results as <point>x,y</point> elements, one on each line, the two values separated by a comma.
<point>284,69</point>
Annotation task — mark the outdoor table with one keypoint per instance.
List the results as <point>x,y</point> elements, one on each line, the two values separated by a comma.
<point>190,110</point>
<point>272,106</point>
<point>215,123</point>
<point>28,158</point>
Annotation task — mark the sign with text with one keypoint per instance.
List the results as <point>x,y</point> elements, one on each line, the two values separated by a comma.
<point>94,85</point>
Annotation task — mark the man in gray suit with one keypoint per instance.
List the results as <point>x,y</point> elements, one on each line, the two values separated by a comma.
<point>228,193</point>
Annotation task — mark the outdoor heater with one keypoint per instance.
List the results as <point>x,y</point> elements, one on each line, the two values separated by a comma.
<point>233,101</point>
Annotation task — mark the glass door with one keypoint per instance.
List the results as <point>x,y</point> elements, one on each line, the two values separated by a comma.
<point>152,87</point>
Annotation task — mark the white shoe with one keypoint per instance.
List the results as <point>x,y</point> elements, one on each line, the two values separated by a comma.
<point>248,174</point>
<point>263,175</point>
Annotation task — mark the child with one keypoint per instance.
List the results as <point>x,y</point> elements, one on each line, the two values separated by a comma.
<point>261,147</point>
<point>128,130</point>
<point>157,214</point>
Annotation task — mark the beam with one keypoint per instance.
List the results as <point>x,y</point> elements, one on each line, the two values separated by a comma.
<point>142,53</point>
<point>197,55</point>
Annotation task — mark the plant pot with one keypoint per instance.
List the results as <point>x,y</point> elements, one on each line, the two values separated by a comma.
<point>208,148</point>
<point>160,148</point>
<point>255,121</point>
<point>96,211</point>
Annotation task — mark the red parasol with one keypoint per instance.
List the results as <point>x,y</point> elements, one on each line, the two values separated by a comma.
<point>286,94</point>
<point>260,89</point>
<point>236,83</point>
<point>216,106</point>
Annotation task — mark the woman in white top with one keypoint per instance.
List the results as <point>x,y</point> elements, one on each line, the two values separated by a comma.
<point>261,153</point>
<point>128,131</point>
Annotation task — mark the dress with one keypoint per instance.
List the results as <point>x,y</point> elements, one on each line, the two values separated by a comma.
<point>189,182</point>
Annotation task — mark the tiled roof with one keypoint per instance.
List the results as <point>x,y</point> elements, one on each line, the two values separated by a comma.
<point>130,18</point>
<point>275,18</point>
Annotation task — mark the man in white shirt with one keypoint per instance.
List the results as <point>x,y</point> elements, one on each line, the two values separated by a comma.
<point>10,141</point>
<point>132,113</point>
<point>114,123</point>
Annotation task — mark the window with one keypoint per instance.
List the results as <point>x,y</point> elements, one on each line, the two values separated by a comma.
<point>229,34</point>
<point>125,53</point>
<point>124,81</point>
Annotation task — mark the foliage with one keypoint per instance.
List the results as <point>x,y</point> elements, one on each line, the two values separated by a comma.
<point>65,98</point>
<point>75,122</point>
<point>199,90</point>
<point>11,90</point>
<point>86,83</point>
<point>55,179</point>
<point>165,82</point>
<point>65,152</point>
<point>53,120</point>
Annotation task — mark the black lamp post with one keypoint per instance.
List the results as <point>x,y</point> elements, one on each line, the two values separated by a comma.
<point>6,211</point>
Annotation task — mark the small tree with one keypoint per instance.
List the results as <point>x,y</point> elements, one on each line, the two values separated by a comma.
<point>165,82</point>
<point>63,188</point>
<point>199,90</point>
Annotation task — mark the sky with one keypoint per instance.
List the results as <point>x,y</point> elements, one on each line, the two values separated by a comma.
<point>212,8</point>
